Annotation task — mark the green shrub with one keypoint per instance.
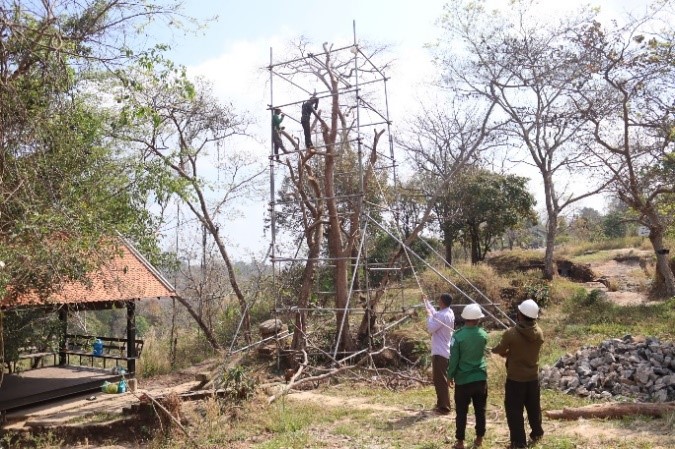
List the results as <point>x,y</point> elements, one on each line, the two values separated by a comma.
<point>562,289</point>
<point>238,384</point>
<point>539,290</point>
<point>593,298</point>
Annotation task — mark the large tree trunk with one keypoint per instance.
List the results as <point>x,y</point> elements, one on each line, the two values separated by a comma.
<point>338,249</point>
<point>475,245</point>
<point>447,244</point>
<point>551,229</point>
<point>662,258</point>
<point>207,332</point>
<point>551,219</point>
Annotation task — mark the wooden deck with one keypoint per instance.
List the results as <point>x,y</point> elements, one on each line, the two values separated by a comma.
<point>43,384</point>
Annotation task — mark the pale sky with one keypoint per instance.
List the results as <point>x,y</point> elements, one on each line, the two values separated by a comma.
<point>234,49</point>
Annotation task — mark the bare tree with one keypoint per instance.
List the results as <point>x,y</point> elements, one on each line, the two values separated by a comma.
<point>628,103</point>
<point>181,129</point>
<point>454,146</point>
<point>332,206</point>
<point>527,70</point>
<point>442,141</point>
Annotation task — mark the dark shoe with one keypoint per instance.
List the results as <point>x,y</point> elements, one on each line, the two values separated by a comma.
<point>458,445</point>
<point>478,442</point>
<point>442,411</point>
<point>534,441</point>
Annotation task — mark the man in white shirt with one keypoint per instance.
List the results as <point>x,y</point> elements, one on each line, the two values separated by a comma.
<point>441,325</point>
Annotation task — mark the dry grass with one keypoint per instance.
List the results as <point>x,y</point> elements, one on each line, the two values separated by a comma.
<point>362,410</point>
<point>466,277</point>
<point>155,358</point>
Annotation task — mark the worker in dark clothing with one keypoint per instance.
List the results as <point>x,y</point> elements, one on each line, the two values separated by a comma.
<point>520,345</point>
<point>308,107</point>
<point>467,372</point>
<point>277,118</point>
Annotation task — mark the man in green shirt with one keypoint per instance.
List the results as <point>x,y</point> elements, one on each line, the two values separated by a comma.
<point>277,118</point>
<point>467,371</point>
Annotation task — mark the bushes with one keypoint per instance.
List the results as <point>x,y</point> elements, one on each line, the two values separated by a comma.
<point>517,261</point>
<point>539,290</point>
<point>238,384</point>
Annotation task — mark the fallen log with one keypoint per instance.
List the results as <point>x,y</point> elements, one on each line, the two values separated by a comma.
<point>614,410</point>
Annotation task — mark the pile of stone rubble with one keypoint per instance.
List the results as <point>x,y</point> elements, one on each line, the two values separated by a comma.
<point>621,367</point>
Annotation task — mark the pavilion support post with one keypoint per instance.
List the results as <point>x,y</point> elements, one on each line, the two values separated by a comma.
<point>63,328</point>
<point>131,337</point>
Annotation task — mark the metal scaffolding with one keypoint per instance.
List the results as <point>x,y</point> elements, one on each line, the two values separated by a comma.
<point>363,97</point>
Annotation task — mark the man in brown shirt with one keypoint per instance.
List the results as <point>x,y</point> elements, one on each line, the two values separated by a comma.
<point>520,345</point>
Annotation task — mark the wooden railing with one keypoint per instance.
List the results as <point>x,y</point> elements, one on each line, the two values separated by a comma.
<point>81,346</point>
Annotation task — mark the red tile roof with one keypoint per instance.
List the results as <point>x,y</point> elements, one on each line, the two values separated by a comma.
<point>128,276</point>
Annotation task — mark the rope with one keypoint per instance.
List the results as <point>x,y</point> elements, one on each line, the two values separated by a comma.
<point>467,281</point>
<point>412,267</point>
<point>438,273</point>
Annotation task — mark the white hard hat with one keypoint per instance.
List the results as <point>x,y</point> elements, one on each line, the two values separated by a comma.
<point>529,308</point>
<point>472,312</point>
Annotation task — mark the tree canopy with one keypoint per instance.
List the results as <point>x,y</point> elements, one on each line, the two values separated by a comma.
<point>64,184</point>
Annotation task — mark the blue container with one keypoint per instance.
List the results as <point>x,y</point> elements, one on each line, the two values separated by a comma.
<point>122,386</point>
<point>98,347</point>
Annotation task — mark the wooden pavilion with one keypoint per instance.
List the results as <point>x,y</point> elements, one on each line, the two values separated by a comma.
<point>120,283</point>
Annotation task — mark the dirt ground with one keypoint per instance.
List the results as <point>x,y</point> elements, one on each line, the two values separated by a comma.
<point>656,434</point>
<point>595,434</point>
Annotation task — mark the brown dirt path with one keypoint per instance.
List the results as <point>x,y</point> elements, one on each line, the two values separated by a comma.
<point>629,276</point>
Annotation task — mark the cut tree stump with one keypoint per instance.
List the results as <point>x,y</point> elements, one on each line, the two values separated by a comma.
<point>613,410</point>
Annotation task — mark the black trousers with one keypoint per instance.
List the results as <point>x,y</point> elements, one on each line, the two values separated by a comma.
<point>476,392</point>
<point>308,134</point>
<point>439,369</point>
<point>276,139</point>
<point>519,395</point>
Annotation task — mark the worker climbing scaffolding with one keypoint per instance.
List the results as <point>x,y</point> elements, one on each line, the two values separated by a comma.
<point>308,108</point>
<point>277,118</point>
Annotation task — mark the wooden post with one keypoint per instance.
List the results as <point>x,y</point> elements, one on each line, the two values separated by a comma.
<point>131,337</point>
<point>63,321</point>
